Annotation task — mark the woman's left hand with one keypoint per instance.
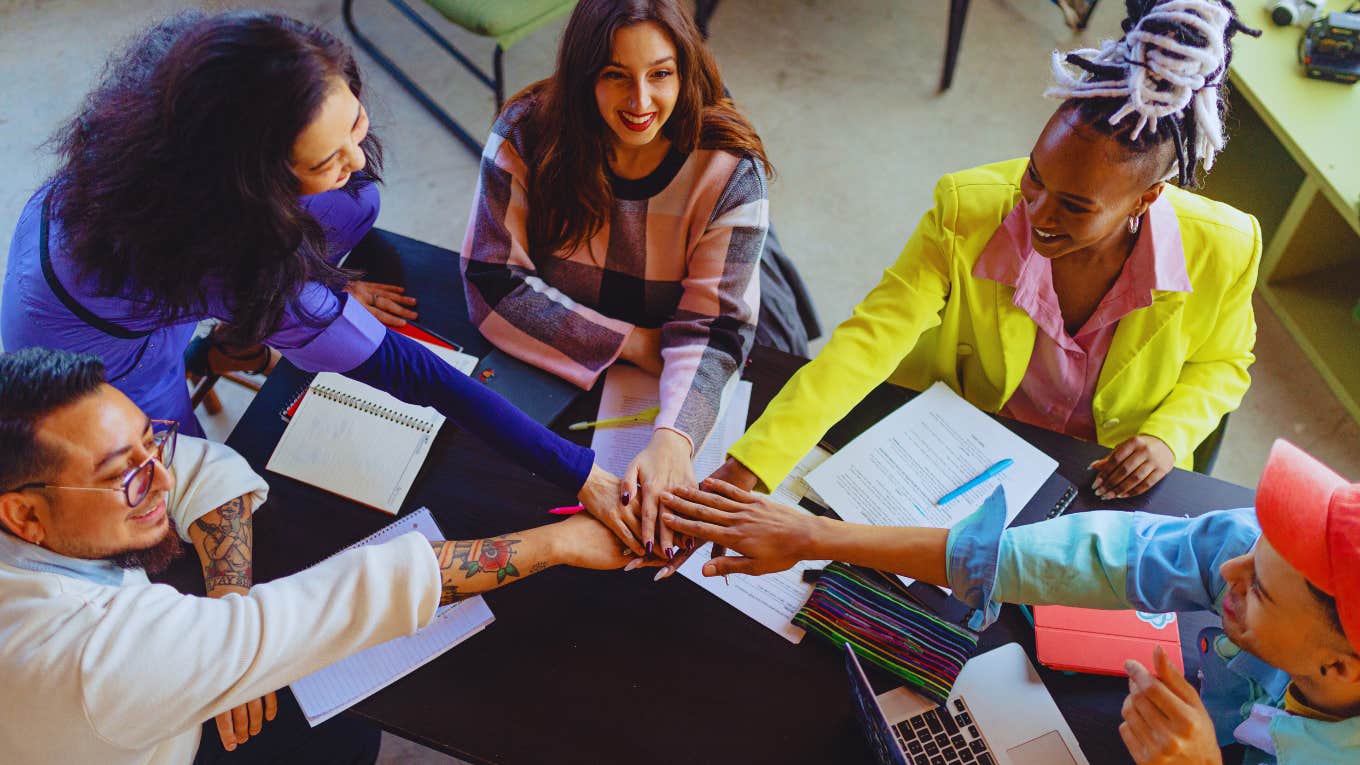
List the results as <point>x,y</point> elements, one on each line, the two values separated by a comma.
<point>385,301</point>
<point>665,465</point>
<point>1132,468</point>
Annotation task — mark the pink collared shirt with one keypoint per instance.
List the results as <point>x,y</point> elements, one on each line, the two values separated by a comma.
<point>1060,382</point>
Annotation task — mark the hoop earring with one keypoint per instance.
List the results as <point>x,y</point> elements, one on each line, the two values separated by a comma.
<point>1134,223</point>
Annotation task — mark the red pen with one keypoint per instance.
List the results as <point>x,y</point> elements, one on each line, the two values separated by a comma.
<point>568,510</point>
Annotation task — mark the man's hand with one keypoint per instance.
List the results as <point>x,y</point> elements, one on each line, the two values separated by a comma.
<point>385,301</point>
<point>642,348</point>
<point>664,465</point>
<point>601,495</point>
<point>584,542</point>
<point>238,725</point>
<point>1165,721</point>
<point>769,536</point>
<point>1132,468</point>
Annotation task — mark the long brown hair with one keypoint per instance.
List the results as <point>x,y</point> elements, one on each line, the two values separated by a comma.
<point>568,140</point>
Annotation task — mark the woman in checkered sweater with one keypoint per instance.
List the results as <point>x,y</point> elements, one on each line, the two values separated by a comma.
<point>620,215</point>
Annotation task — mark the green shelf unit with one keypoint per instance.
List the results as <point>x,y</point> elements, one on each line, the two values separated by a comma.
<point>1317,310</point>
<point>1292,163</point>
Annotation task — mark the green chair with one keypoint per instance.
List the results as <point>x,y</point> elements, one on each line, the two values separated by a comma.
<point>505,21</point>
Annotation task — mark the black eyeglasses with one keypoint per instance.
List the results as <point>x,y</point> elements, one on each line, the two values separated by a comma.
<point>137,481</point>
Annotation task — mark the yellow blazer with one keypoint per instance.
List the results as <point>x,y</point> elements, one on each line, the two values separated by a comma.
<point>1173,370</point>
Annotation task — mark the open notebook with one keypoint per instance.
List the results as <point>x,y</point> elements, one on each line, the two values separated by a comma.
<point>330,691</point>
<point>354,440</point>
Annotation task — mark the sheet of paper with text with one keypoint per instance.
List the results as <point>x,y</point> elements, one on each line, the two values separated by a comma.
<point>771,599</point>
<point>894,473</point>
<point>629,390</point>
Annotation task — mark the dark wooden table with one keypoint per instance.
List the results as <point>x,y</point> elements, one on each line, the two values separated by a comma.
<point>592,667</point>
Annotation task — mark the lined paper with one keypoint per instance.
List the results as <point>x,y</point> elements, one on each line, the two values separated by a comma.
<point>330,691</point>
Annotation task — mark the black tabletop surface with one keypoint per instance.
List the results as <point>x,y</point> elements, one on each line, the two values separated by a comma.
<point>593,667</point>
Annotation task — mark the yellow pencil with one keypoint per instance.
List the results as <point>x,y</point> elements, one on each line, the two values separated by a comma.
<point>646,415</point>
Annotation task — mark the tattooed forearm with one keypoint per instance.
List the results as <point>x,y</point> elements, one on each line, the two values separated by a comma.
<point>448,593</point>
<point>223,541</point>
<point>461,561</point>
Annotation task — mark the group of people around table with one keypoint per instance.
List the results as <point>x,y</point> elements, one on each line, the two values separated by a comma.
<point>222,169</point>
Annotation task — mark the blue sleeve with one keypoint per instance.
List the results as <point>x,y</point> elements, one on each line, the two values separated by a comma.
<point>1175,562</point>
<point>409,371</point>
<point>1103,559</point>
<point>345,214</point>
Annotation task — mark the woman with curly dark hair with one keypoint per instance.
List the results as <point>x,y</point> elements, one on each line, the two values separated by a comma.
<point>219,170</point>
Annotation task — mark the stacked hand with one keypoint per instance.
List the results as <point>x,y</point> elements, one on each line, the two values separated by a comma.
<point>665,464</point>
<point>769,536</point>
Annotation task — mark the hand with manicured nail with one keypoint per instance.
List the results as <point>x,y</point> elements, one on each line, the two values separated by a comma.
<point>1132,468</point>
<point>603,497</point>
<point>1165,720</point>
<point>666,463</point>
<point>768,536</point>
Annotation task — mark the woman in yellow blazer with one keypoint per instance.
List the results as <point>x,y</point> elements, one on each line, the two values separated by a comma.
<point>1173,367</point>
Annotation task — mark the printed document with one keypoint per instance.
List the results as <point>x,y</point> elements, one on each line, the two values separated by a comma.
<point>894,473</point>
<point>629,390</point>
<point>772,599</point>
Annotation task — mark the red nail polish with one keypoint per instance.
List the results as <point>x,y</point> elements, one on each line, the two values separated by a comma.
<point>649,548</point>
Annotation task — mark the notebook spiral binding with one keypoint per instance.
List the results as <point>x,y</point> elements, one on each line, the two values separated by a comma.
<point>424,426</point>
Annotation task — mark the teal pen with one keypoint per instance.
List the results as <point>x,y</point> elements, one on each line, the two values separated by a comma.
<point>990,472</point>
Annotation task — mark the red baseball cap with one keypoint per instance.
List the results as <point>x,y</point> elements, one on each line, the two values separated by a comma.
<point>1312,516</point>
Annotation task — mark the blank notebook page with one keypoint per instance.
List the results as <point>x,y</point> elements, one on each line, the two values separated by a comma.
<point>356,441</point>
<point>330,691</point>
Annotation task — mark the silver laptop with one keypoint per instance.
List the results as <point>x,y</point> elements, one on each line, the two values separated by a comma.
<point>999,713</point>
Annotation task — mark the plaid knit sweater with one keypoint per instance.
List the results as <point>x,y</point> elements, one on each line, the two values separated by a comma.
<point>680,251</point>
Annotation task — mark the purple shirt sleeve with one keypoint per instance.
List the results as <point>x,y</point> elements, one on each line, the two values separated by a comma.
<point>314,342</point>
<point>345,215</point>
<point>409,371</point>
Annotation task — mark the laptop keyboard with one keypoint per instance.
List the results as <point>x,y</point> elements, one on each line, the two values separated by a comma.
<point>945,735</point>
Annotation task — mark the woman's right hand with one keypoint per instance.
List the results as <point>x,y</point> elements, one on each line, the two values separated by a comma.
<point>734,474</point>
<point>387,302</point>
<point>601,496</point>
<point>769,536</point>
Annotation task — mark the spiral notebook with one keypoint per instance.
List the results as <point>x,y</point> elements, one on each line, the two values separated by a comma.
<point>330,691</point>
<point>354,440</point>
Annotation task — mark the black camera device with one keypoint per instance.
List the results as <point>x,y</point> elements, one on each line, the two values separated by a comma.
<point>1330,48</point>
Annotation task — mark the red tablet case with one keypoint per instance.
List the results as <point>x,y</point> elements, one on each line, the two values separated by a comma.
<point>1098,642</point>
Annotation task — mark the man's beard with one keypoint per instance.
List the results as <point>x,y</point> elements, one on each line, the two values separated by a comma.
<point>153,559</point>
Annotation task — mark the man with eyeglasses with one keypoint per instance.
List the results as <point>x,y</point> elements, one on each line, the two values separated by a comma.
<point>102,666</point>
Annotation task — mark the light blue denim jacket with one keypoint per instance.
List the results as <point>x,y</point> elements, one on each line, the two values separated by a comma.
<point>1151,563</point>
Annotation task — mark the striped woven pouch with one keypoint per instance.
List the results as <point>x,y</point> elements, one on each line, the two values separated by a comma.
<point>885,628</point>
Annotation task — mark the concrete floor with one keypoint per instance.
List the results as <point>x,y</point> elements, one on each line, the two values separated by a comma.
<point>842,92</point>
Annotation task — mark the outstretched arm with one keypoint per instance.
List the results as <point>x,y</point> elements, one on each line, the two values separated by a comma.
<point>467,567</point>
<point>771,537</point>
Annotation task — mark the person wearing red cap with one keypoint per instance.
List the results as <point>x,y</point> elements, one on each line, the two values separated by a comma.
<point>1282,675</point>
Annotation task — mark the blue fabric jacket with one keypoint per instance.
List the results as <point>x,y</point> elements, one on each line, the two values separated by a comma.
<point>1157,564</point>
